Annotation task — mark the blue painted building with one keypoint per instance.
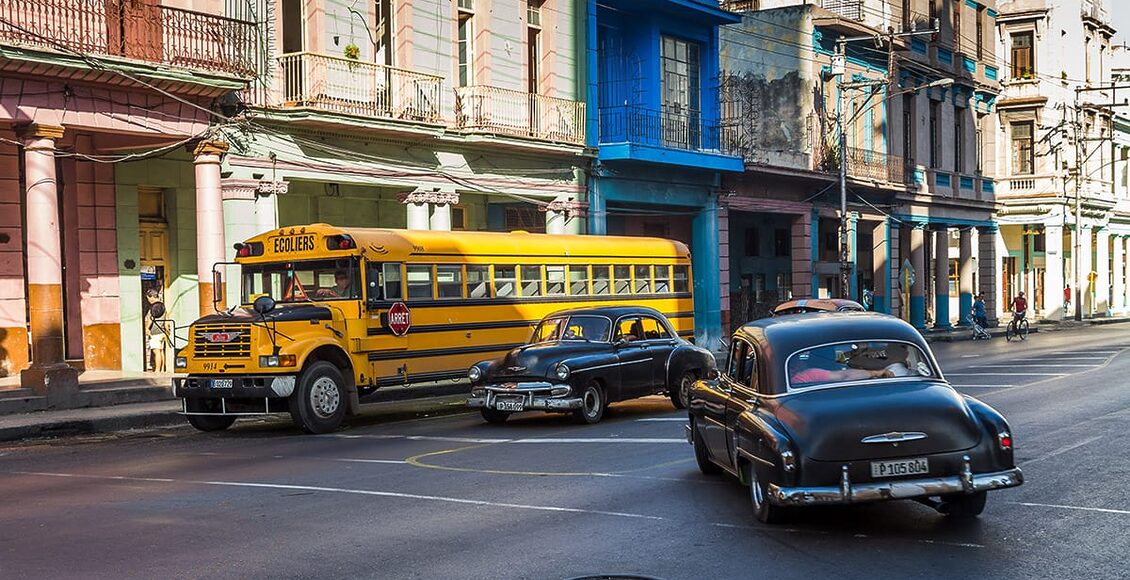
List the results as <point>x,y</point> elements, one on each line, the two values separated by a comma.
<point>653,114</point>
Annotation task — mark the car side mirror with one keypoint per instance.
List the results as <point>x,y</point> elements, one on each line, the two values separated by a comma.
<point>263,305</point>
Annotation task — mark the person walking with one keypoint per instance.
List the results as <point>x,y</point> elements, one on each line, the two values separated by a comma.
<point>1067,298</point>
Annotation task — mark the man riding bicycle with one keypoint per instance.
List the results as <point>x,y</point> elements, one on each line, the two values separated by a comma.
<point>1019,307</point>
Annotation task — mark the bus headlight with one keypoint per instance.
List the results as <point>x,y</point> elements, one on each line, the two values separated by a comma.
<point>562,371</point>
<point>282,360</point>
<point>475,374</point>
<point>181,362</point>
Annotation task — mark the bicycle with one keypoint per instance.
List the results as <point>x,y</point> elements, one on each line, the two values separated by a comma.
<point>1017,328</point>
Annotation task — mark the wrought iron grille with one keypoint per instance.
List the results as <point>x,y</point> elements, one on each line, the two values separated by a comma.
<point>237,347</point>
<point>662,128</point>
<point>355,87</point>
<point>131,29</point>
<point>506,111</point>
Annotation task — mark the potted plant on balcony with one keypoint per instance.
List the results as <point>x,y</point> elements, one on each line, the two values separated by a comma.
<point>353,53</point>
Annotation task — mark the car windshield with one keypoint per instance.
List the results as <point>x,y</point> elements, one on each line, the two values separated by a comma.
<point>585,328</point>
<point>313,280</point>
<point>857,361</point>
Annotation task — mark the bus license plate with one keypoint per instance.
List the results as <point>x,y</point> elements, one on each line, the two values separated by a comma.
<point>221,383</point>
<point>509,404</point>
<point>918,466</point>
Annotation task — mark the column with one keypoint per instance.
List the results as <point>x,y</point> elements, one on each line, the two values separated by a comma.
<point>881,267</point>
<point>1118,276</point>
<point>209,221</point>
<point>942,278</point>
<point>853,261</point>
<point>802,234</point>
<point>814,255</point>
<point>48,374</point>
<point>965,277</point>
<point>598,212</point>
<point>987,270</point>
<point>1086,285</point>
<point>705,261</point>
<point>441,217</point>
<point>1102,271</point>
<point>918,264</point>
<point>1053,273</point>
<point>564,216</point>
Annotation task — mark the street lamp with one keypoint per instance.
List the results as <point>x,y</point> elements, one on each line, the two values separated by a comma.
<point>845,262</point>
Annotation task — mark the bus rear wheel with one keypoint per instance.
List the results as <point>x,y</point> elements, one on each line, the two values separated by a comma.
<point>318,402</point>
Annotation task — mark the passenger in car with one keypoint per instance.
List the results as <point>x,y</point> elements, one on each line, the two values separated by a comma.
<point>809,374</point>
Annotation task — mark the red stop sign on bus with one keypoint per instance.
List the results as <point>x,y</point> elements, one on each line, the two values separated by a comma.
<point>399,319</point>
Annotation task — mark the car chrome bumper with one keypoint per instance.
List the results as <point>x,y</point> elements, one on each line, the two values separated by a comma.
<point>535,397</point>
<point>847,492</point>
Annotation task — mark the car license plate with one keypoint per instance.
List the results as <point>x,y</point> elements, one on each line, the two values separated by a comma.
<point>509,404</point>
<point>221,383</point>
<point>918,466</point>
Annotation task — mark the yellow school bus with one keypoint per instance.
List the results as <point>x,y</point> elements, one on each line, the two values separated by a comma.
<point>330,314</point>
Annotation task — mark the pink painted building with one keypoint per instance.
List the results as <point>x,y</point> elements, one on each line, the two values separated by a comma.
<point>90,92</point>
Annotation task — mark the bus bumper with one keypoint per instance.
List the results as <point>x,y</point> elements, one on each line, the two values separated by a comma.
<point>234,387</point>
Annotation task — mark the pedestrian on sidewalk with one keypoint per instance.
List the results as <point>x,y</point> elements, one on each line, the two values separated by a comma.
<point>1067,298</point>
<point>156,342</point>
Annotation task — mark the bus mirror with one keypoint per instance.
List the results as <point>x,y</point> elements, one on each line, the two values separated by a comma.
<point>263,304</point>
<point>157,310</point>
<point>217,287</point>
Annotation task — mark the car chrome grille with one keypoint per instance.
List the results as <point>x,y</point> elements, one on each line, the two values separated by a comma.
<point>238,346</point>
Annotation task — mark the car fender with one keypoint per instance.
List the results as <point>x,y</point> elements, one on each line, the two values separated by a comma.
<point>994,423</point>
<point>758,438</point>
<point>687,356</point>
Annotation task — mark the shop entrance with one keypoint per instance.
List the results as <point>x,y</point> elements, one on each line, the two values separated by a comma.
<point>154,237</point>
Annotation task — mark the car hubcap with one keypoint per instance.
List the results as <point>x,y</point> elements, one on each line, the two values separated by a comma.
<point>324,397</point>
<point>685,390</point>
<point>755,490</point>
<point>592,402</point>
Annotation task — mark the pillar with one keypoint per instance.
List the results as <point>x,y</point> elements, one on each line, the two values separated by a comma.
<point>209,221</point>
<point>564,216</point>
<point>705,261</point>
<point>48,374</point>
<point>1086,285</point>
<point>853,261</point>
<point>441,217</point>
<point>598,212</point>
<point>800,254</point>
<point>418,218</point>
<point>965,277</point>
<point>1118,276</point>
<point>918,265</point>
<point>814,255</point>
<point>942,279</point>
<point>1102,271</point>
<point>1053,274</point>
<point>881,266</point>
<point>987,271</point>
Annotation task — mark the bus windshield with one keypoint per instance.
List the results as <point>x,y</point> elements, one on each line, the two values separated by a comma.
<point>313,280</point>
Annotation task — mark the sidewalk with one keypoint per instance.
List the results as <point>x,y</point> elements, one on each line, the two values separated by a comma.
<point>966,333</point>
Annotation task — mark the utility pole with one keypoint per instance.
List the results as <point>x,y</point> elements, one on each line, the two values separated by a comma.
<point>839,69</point>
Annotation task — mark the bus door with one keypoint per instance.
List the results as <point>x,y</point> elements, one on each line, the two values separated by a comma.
<point>384,287</point>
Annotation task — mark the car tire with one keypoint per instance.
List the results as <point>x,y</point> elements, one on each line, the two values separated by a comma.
<point>319,401</point>
<point>209,423</point>
<point>964,506</point>
<point>593,403</point>
<point>494,415</point>
<point>764,511</point>
<point>681,393</point>
<point>701,455</point>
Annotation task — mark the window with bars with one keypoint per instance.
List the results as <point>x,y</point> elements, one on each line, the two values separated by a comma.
<point>1022,63</point>
<point>681,91</point>
<point>1023,154</point>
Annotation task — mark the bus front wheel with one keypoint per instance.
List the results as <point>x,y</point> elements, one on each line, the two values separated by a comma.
<point>208,423</point>
<point>318,402</point>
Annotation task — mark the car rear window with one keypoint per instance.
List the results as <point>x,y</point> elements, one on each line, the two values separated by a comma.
<point>857,361</point>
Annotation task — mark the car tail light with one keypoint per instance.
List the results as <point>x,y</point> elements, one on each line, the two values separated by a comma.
<point>1004,438</point>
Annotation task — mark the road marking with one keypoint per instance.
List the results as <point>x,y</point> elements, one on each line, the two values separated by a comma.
<point>656,419</point>
<point>1060,358</point>
<point>858,536</point>
<point>1008,374</point>
<point>1073,507</point>
<point>1081,352</point>
<point>981,386</point>
<point>1026,365</point>
<point>970,355</point>
<point>528,440</point>
<point>418,438</point>
<point>389,461</point>
<point>352,491</point>
<point>1063,450</point>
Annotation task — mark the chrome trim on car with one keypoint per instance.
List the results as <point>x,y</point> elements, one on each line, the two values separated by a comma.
<point>847,492</point>
<point>536,395</point>
<point>894,437</point>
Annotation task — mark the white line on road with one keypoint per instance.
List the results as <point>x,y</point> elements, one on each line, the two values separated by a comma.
<point>419,438</point>
<point>389,461</point>
<point>1073,507</point>
<point>656,419</point>
<point>956,386</point>
<point>351,491</point>
<point>1026,365</point>
<point>1039,358</point>
<point>1007,374</point>
<point>970,355</point>
<point>529,440</point>
<point>1063,450</point>
<point>1086,352</point>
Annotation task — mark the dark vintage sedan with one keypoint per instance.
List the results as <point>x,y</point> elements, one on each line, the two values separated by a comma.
<point>578,361</point>
<point>817,409</point>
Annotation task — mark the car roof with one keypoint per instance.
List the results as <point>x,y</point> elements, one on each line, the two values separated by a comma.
<point>820,304</point>
<point>609,311</point>
<point>792,332</point>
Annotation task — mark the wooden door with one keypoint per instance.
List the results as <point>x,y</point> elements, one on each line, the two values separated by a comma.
<point>154,238</point>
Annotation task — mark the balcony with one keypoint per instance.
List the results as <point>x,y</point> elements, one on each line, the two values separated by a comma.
<point>663,136</point>
<point>847,9</point>
<point>136,31</point>
<point>341,85</point>
<point>485,109</point>
<point>875,165</point>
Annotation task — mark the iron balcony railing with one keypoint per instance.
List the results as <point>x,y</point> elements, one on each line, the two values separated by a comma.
<point>343,85</point>
<point>135,30</point>
<point>849,9</point>
<point>505,111</point>
<point>684,130</point>
<point>740,5</point>
<point>875,165</point>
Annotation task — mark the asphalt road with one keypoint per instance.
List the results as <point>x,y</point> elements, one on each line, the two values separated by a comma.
<point>540,497</point>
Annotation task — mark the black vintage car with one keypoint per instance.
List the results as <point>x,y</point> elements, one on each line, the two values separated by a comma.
<point>577,361</point>
<point>817,409</point>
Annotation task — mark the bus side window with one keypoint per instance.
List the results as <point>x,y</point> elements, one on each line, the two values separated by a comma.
<point>373,282</point>
<point>643,280</point>
<point>449,281</point>
<point>478,281</point>
<point>681,275</point>
<point>662,279</point>
<point>419,282</point>
<point>393,290</point>
<point>623,275</point>
<point>601,281</point>
<point>505,281</point>
<point>578,280</point>
<point>531,281</point>
<point>555,280</point>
